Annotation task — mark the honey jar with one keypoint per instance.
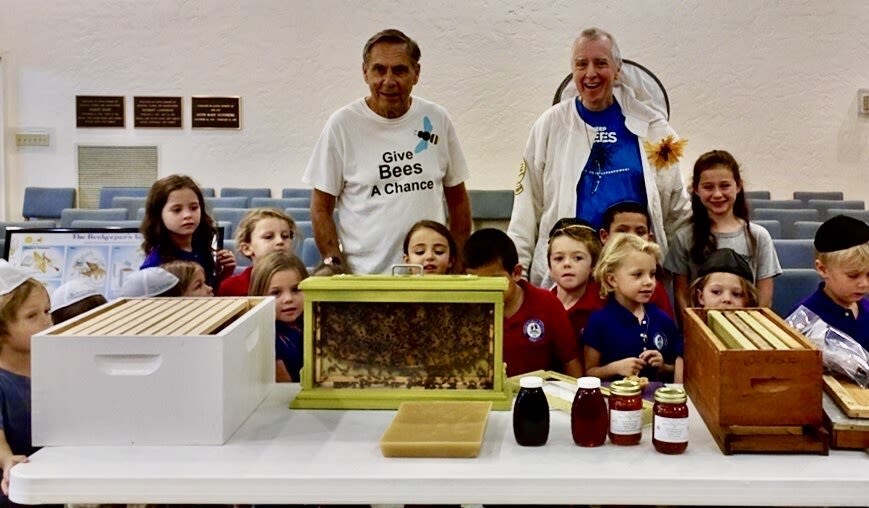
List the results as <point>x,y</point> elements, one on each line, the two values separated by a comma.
<point>670,420</point>
<point>626,412</point>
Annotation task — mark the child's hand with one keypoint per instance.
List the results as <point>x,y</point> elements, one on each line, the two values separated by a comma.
<point>11,461</point>
<point>226,261</point>
<point>628,366</point>
<point>653,358</point>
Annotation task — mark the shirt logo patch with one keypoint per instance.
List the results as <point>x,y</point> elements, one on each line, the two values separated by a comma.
<point>660,341</point>
<point>533,329</point>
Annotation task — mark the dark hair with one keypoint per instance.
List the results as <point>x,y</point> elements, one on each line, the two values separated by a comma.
<point>565,222</point>
<point>393,36</point>
<point>704,241</point>
<point>609,216</point>
<point>487,246</point>
<point>438,228</point>
<point>74,309</point>
<point>155,234</point>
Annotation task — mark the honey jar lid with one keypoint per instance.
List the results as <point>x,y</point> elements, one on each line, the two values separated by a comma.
<point>531,382</point>
<point>670,395</point>
<point>626,387</point>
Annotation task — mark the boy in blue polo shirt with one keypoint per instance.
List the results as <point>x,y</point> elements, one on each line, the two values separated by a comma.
<point>537,332</point>
<point>842,261</point>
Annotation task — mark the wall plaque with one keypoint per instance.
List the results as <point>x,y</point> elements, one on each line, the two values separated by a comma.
<point>216,112</point>
<point>157,112</point>
<point>99,111</point>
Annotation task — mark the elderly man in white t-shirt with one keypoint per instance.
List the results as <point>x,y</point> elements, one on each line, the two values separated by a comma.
<point>385,162</point>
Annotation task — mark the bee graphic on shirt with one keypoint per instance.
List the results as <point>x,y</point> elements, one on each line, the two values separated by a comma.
<point>426,136</point>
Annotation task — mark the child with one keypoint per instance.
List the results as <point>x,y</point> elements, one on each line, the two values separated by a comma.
<point>631,336</point>
<point>176,226</point>
<point>720,219</point>
<point>632,217</point>
<point>537,333</point>
<point>260,232</point>
<point>73,298</point>
<point>430,244</point>
<point>842,261</point>
<point>329,269</point>
<point>573,252</point>
<point>725,282</point>
<point>24,311</point>
<point>278,274</point>
<point>191,279</point>
<point>149,282</point>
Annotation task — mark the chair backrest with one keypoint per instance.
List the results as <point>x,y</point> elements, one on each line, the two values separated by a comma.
<point>234,202</point>
<point>785,217</point>
<point>310,253</point>
<point>772,226</point>
<point>299,214</point>
<point>132,204</point>
<point>793,253</point>
<point>47,202</point>
<point>806,229</point>
<point>296,193</point>
<point>231,215</point>
<point>757,194</point>
<point>104,214</point>
<point>824,205</point>
<point>305,229</point>
<point>207,192</point>
<point>782,204</point>
<point>95,223</point>
<point>279,203</point>
<point>241,261</point>
<point>31,224</point>
<point>791,287</point>
<point>253,192</point>
<point>807,195</point>
<point>107,194</point>
<point>857,214</point>
<point>491,204</point>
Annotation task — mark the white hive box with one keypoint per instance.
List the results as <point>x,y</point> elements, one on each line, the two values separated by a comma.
<point>153,371</point>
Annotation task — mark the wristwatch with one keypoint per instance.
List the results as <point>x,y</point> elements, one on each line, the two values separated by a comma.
<point>332,261</point>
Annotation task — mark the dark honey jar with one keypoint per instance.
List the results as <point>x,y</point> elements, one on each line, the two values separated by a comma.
<point>626,412</point>
<point>670,420</point>
<point>531,413</point>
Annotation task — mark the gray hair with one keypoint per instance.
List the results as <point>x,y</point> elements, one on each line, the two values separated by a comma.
<point>595,34</point>
<point>393,36</point>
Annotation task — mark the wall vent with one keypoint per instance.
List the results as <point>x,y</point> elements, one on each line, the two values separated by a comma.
<point>113,166</point>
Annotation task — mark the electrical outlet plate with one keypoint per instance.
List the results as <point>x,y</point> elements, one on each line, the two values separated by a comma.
<point>32,138</point>
<point>863,101</point>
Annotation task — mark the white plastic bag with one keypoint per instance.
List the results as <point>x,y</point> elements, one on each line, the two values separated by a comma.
<point>841,353</point>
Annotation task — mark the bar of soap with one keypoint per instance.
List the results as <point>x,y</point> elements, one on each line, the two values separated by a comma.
<point>436,429</point>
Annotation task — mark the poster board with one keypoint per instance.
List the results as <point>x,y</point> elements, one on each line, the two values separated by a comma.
<point>103,257</point>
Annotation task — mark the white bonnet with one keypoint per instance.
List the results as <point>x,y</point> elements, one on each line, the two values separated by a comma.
<point>148,282</point>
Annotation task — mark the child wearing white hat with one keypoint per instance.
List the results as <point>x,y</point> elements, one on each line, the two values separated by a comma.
<point>148,282</point>
<point>72,298</point>
<point>24,311</point>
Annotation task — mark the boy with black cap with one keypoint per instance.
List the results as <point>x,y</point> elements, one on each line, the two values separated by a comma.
<point>842,261</point>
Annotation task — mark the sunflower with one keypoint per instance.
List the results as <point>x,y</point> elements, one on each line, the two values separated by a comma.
<point>668,151</point>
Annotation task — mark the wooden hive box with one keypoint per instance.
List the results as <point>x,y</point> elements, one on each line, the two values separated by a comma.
<point>153,371</point>
<point>372,342</point>
<point>846,412</point>
<point>755,400</point>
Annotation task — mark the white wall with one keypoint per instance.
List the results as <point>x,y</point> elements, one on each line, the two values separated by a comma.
<point>775,82</point>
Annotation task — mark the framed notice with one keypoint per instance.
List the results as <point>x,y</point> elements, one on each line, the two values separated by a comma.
<point>102,257</point>
<point>215,112</point>
<point>157,112</point>
<point>99,111</point>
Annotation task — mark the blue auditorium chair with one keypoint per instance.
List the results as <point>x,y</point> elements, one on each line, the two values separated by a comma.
<point>785,217</point>
<point>807,195</point>
<point>823,206</point>
<point>757,194</point>
<point>107,194</point>
<point>232,216</point>
<point>788,204</point>
<point>795,253</point>
<point>253,192</point>
<point>791,287</point>
<point>279,203</point>
<point>305,229</point>
<point>310,253</point>
<point>97,223</point>
<point>296,193</point>
<point>235,202</point>
<point>806,229</point>
<point>772,226</point>
<point>104,214</point>
<point>857,214</point>
<point>241,261</point>
<point>299,214</point>
<point>131,203</point>
<point>47,202</point>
